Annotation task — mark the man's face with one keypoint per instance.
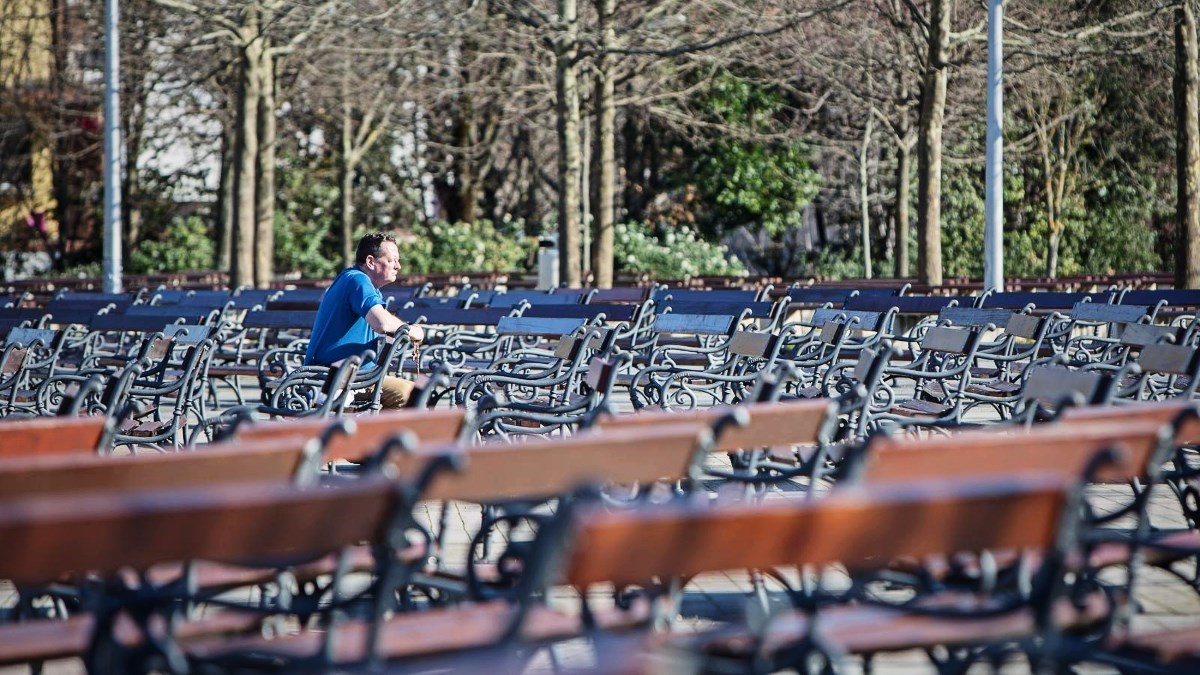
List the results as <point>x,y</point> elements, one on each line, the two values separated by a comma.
<point>383,269</point>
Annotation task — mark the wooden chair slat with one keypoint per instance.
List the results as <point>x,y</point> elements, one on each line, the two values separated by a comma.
<point>537,327</point>
<point>770,424</point>
<point>1025,326</point>
<point>229,523</point>
<point>1144,334</point>
<point>274,460</point>
<point>1049,385</point>
<point>541,467</point>
<point>751,343</point>
<point>946,339</point>
<point>911,519</point>
<point>1165,358</point>
<point>50,435</point>
<point>1098,311</point>
<point>974,317</point>
<point>693,324</point>
<point>1065,449</point>
<point>432,427</point>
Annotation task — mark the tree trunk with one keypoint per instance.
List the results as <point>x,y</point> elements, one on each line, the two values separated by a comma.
<point>346,176</point>
<point>605,159</point>
<point>346,180</point>
<point>131,184</point>
<point>131,201</point>
<point>1187,148</point>
<point>864,196</point>
<point>634,161</point>
<point>1056,233</point>
<point>822,227</point>
<point>264,208</point>
<point>529,208</point>
<point>903,186</point>
<point>223,215</point>
<point>929,147</point>
<point>246,169</point>
<point>569,163</point>
<point>466,181</point>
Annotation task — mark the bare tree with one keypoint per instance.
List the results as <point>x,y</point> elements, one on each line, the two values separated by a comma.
<point>260,32</point>
<point>1187,146</point>
<point>570,163</point>
<point>929,144</point>
<point>1062,115</point>
<point>604,163</point>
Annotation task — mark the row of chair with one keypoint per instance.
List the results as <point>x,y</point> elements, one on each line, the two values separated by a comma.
<point>901,517</point>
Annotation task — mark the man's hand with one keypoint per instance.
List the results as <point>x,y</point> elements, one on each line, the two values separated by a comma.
<point>416,334</point>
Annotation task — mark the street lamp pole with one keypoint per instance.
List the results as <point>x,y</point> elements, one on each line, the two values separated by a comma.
<point>112,149</point>
<point>993,229</point>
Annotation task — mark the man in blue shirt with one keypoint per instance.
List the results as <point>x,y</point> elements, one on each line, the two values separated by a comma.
<point>352,315</point>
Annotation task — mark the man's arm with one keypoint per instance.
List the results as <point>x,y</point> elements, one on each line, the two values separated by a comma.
<point>382,321</point>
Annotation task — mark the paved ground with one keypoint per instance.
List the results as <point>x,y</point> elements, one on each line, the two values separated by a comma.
<point>1165,601</point>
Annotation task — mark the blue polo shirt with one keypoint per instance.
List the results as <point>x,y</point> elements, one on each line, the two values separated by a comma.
<point>341,328</point>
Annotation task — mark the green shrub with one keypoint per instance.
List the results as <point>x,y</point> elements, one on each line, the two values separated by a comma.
<point>482,246</point>
<point>838,263</point>
<point>184,244</point>
<point>306,219</point>
<point>303,246</point>
<point>679,252</point>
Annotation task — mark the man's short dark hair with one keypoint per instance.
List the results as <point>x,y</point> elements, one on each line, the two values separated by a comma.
<point>371,245</point>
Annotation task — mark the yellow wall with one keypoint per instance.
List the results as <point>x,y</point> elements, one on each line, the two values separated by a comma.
<point>26,62</point>
<point>25,42</point>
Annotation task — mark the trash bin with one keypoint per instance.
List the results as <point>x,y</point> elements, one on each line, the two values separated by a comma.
<point>547,263</point>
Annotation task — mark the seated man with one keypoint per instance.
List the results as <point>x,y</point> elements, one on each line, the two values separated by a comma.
<point>352,314</point>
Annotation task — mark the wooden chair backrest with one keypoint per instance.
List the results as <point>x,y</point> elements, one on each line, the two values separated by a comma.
<point>600,373</point>
<point>751,343</point>
<point>903,304</point>
<point>104,532</point>
<point>1050,385</point>
<point>1099,311</point>
<point>948,340</point>
<point>832,332</point>
<point>14,360</point>
<point>858,320</point>
<point>275,460</point>
<point>1044,300</point>
<point>271,319</point>
<point>27,336</point>
<point>39,436</point>
<point>912,519</point>
<point>770,424</point>
<point>975,317</point>
<point>1050,447</point>
<point>694,324</point>
<point>441,316</point>
<point>818,296</point>
<point>544,467</point>
<point>1168,359</point>
<point>1175,297</point>
<point>187,334</point>
<point>432,426</point>
<point>1159,412</point>
<point>537,327</point>
<point>611,312</point>
<point>1024,326</point>
<point>1145,334</point>
<point>758,310</point>
<point>568,346</point>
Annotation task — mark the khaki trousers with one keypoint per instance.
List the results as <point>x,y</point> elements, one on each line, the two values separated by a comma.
<point>395,391</point>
